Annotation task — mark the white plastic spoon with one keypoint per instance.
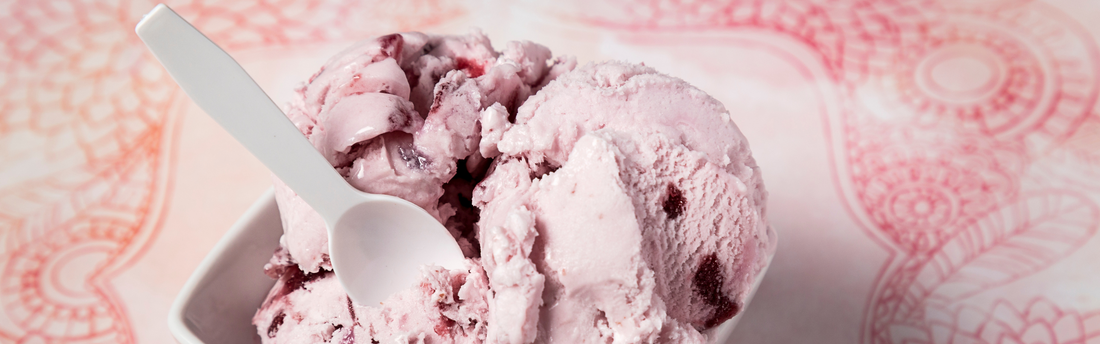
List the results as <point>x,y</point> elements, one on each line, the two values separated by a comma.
<point>377,243</point>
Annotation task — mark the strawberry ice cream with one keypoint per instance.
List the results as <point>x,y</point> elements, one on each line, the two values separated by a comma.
<point>602,203</point>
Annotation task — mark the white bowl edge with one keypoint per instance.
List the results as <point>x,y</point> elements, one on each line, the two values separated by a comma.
<point>209,299</point>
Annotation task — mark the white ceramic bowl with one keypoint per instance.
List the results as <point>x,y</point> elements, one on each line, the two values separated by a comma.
<point>217,303</point>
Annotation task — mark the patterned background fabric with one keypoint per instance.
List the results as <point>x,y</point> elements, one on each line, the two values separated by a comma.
<point>934,166</point>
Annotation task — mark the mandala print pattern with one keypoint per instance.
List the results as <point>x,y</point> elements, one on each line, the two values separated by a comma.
<point>970,185</point>
<point>87,121</point>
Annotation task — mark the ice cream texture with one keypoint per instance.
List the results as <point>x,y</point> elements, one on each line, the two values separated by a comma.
<point>600,203</point>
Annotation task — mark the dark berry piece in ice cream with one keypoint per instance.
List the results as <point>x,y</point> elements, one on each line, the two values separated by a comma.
<point>708,283</point>
<point>674,201</point>
<point>294,279</point>
<point>472,68</point>
<point>275,324</point>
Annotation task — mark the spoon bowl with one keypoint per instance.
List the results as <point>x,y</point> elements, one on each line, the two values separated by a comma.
<point>376,242</point>
<point>365,242</point>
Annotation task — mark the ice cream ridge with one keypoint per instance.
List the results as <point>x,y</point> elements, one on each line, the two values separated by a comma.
<point>598,203</point>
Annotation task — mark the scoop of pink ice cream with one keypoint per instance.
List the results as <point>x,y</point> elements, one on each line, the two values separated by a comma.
<point>606,203</point>
<point>397,115</point>
<point>648,205</point>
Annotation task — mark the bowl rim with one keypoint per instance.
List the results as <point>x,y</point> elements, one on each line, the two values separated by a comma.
<point>177,322</point>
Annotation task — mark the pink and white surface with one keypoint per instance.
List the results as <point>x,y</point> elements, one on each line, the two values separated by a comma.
<point>934,166</point>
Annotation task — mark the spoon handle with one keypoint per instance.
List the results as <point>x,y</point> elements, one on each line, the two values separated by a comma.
<point>228,94</point>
